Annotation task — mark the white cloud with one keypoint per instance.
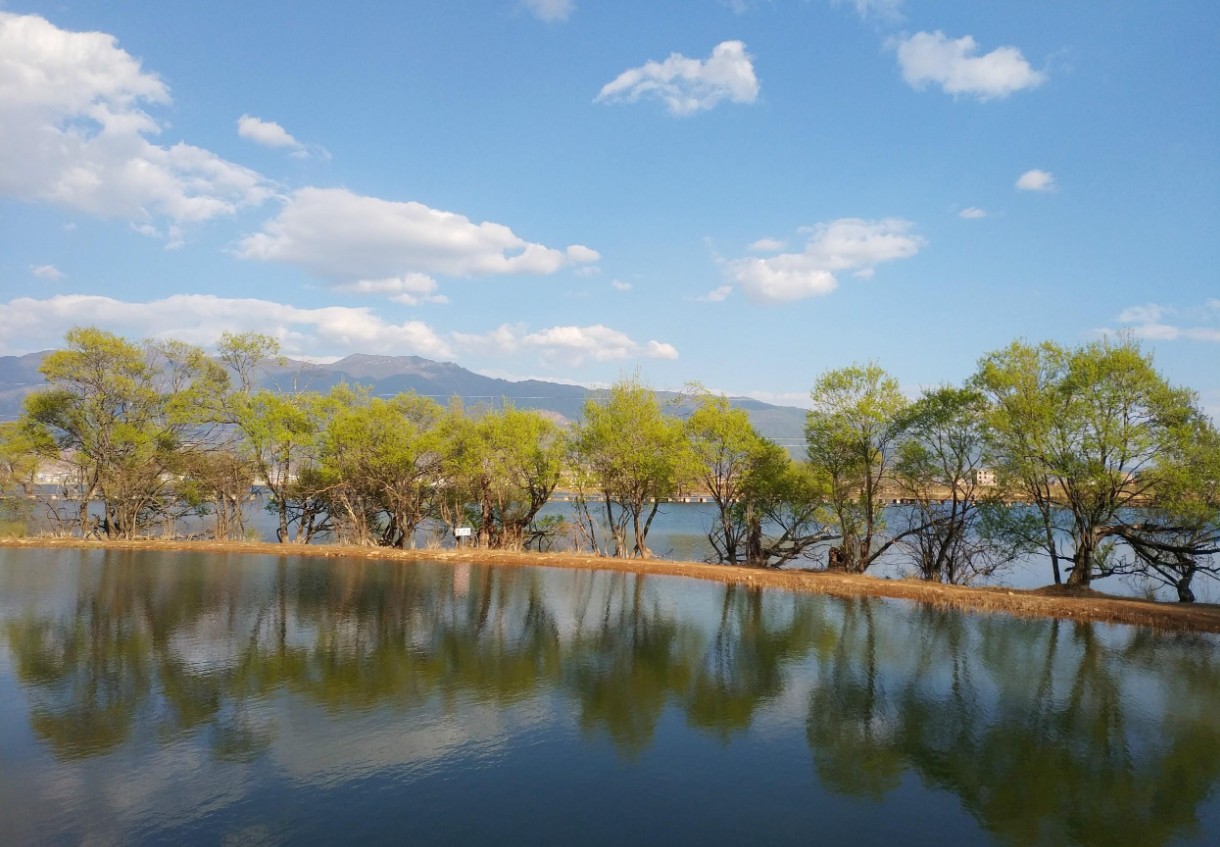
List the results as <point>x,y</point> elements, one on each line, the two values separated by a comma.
<point>847,244</point>
<point>345,237</point>
<point>27,324</point>
<point>619,285</point>
<point>687,86</point>
<point>318,334</point>
<point>550,10</point>
<point>886,10</point>
<point>1149,313</point>
<point>716,295</point>
<point>932,57</point>
<point>569,344</point>
<point>409,290</point>
<point>267,133</point>
<point>972,213</point>
<point>599,342</point>
<point>75,133</point>
<point>48,272</point>
<point>1036,180</point>
<point>1149,322</point>
<point>768,245</point>
<point>271,134</point>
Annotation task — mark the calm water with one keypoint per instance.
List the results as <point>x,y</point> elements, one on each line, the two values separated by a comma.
<point>680,533</point>
<point>190,699</point>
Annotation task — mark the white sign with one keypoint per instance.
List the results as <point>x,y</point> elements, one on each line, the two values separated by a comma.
<point>461,532</point>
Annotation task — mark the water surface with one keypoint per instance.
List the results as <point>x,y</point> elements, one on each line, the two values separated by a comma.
<point>199,699</point>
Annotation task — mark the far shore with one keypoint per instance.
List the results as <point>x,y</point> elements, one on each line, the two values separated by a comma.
<point>1050,602</point>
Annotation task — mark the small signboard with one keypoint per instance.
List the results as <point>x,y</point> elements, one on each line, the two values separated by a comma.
<point>461,532</point>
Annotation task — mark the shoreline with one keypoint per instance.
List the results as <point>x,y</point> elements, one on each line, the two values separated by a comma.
<point>1027,603</point>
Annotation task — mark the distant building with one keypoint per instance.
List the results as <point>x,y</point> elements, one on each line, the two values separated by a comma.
<point>983,477</point>
<point>57,472</point>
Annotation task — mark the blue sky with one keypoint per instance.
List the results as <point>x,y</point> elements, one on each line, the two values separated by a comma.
<point>740,193</point>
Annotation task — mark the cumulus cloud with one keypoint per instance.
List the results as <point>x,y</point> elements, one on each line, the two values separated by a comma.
<point>550,10</point>
<point>1151,321</point>
<point>886,10</point>
<point>48,272</point>
<point>271,134</point>
<point>266,133</point>
<point>844,245</point>
<point>409,290</point>
<point>933,58</point>
<point>972,213</point>
<point>27,324</point>
<point>619,285</point>
<point>716,295</point>
<point>1036,180</point>
<point>687,86</point>
<point>346,237</point>
<point>768,245</point>
<point>568,344</point>
<point>76,133</point>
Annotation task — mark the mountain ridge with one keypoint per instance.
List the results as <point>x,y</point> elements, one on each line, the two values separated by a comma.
<point>390,375</point>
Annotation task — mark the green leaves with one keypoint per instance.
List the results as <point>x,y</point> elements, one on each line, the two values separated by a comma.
<point>850,433</point>
<point>1091,435</point>
<point>633,455</point>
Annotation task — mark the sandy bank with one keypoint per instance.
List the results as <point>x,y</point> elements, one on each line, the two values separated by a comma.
<point>1089,606</point>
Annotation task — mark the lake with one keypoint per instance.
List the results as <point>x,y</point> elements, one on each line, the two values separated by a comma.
<point>183,698</point>
<point>678,533</point>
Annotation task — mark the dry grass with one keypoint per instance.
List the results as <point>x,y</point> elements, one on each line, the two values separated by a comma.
<point>1083,606</point>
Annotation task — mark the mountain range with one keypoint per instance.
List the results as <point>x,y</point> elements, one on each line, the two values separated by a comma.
<point>390,375</point>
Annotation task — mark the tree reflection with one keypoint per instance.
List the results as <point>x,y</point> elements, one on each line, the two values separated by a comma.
<point>1047,732</point>
<point>744,664</point>
<point>629,663</point>
<point>1028,723</point>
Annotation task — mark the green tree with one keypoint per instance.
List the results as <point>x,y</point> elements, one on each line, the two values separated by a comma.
<point>245,353</point>
<point>218,479</point>
<point>1102,445</point>
<point>940,472</point>
<point>381,460</point>
<point>851,433</point>
<point>121,413</point>
<point>726,450</point>
<point>769,510</point>
<point>632,456</point>
<point>280,434</point>
<point>521,457</point>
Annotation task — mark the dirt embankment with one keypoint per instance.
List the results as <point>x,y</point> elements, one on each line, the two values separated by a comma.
<point>1044,602</point>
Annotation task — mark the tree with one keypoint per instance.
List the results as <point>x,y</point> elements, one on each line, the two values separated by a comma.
<point>851,433</point>
<point>21,448</point>
<point>122,411</point>
<point>634,457</point>
<point>940,472</point>
<point>244,353</point>
<point>1179,537</point>
<point>381,459</point>
<point>519,457</point>
<point>725,448</point>
<point>218,479</point>
<point>1101,444</point>
<point>280,433</point>
<point>784,508</point>
<point>769,511</point>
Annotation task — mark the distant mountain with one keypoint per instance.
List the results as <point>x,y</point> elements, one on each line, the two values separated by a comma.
<point>18,377</point>
<point>390,375</point>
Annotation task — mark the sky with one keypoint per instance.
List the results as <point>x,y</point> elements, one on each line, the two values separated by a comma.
<point>745,193</point>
